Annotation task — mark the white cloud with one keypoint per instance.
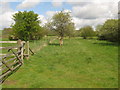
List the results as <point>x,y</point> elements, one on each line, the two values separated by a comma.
<point>95,10</point>
<point>5,15</point>
<point>84,22</point>
<point>94,13</point>
<point>92,1</point>
<point>50,13</point>
<point>6,19</point>
<point>77,3</point>
<point>4,7</point>
<point>26,4</point>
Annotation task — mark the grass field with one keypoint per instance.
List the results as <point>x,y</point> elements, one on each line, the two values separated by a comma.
<point>77,64</point>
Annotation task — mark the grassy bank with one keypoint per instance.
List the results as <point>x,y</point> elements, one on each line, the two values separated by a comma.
<point>77,64</point>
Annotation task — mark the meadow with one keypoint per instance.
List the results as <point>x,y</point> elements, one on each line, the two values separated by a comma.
<point>79,63</point>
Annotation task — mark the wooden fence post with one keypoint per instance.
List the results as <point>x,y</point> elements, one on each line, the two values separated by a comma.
<point>22,48</point>
<point>20,43</point>
<point>27,49</point>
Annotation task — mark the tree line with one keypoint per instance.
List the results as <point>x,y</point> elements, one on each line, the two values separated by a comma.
<point>27,27</point>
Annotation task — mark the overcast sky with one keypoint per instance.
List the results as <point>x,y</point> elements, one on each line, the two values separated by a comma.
<point>84,12</point>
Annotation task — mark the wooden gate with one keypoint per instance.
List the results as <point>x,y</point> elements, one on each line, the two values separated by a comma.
<point>10,62</point>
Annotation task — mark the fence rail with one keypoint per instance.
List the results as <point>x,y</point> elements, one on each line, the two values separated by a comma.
<point>10,62</point>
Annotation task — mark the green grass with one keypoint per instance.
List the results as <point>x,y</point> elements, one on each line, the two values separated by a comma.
<point>34,45</point>
<point>0,34</point>
<point>77,64</point>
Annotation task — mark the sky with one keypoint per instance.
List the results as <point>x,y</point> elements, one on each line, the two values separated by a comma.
<point>83,12</point>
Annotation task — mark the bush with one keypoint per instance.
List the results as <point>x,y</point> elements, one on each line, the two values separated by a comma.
<point>109,31</point>
<point>86,32</point>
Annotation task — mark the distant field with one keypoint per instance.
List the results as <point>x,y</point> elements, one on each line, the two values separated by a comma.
<point>77,64</point>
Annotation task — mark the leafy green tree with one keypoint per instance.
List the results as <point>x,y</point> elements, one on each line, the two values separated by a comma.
<point>62,24</point>
<point>87,31</point>
<point>27,26</point>
<point>77,33</point>
<point>109,30</point>
<point>7,32</point>
<point>98,30</point>
<point>49,29</point>
<point>70,30</point>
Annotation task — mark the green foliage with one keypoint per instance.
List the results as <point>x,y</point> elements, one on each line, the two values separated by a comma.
<point>27,26</point>
<point>70,30</point>
<point>109,31</point>
<point>98,29</point>
<point>62,24</point>
<point>6,32</point>
<point>1,34</point>
<point>49,29</point>
<point>87,31</point>
<point>77,33</point>
<point>51,33</point>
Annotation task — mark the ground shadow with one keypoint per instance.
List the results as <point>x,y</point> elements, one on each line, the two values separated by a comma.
<point>54,44</point>
<point>107,44</point>
<point>4,79</point>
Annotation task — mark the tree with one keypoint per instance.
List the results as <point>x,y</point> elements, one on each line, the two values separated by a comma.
<point>70,30</point>
<point>27,26</point>
<point>98,30</point>
<point>109,30</point>
<point>87,31</point>
<point>49,29</point>
<point>77,33</point>
<point>62,24</point>
<point>7,32</point>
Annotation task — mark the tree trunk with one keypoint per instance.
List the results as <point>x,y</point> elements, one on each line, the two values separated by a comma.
<point>69,37</point>
<point>61,41</point>
<point>84,38</point>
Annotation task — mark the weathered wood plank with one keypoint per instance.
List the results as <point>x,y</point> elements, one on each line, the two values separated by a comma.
<point>2,54</point>
<point>7,55</point>
<point>17,66</point>
<point>22,52</point>
<point>4,68</point>
<point>10,65</point>
<point>8,48</point>
<point>7,72</point>
<point>8,41</point>
<point>10,59</point>
<point>7,65</point>
<point>17,56</point>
